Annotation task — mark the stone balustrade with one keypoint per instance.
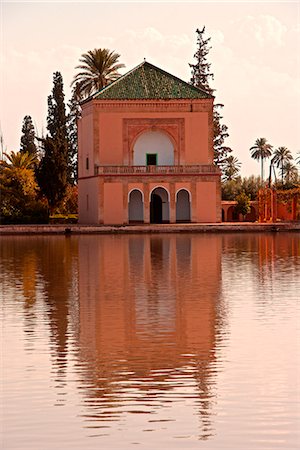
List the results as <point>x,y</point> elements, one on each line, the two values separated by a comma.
<point>172,170</point>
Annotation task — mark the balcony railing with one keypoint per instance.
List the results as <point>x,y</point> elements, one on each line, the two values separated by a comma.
<point>148,170</point>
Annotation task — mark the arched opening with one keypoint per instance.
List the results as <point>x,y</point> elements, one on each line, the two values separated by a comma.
<point>251,216</point>
<point>153,148</point>
<point>159,206</point>
<point>183,206</point>
<point>135,206</point>
<point>232,215</point>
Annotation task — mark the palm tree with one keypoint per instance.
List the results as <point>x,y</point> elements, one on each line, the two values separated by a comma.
<point>261,150</point>
<point>19,160</point>
<point>298,158</point>
<point>99,67</point>
<point>282,155</point>
<point>290,172</point>
<point>232,166</point>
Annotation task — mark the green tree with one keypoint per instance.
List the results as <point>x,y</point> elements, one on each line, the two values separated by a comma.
<point>72,118</point>
<point>56,119</point>
<point>251,185</point>
<point>281,156</point>
<point>298,158</point>
<point>243,204</point>
<point>53,168</point>
<point>261,151</point>
<point>290,172</point>
<point>231,168</point>
<point>98,68</point>
<point>18,160</point>
<point>19,190</point>
<point>230,189</point>
<point>201,75</point>
<point>28,137</point>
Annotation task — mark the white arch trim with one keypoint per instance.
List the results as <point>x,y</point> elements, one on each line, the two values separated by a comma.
<point>135,189</point>
<point>162,187</point>
<point>183,189</point>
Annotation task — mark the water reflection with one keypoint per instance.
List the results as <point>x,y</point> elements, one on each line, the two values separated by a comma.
<point>140,326</point>
<point>41,272</point>
<point>145,337</point>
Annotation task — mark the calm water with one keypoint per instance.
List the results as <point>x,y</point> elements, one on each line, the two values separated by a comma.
<point>168,342</point>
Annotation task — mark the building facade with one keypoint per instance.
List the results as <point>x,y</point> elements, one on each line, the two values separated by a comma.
<point>146,152</point>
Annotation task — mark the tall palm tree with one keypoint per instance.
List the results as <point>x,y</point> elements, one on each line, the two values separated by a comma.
<point>261,150</point>
<point>281,156</point>
<point>99,67</point>
<point>232,166</point>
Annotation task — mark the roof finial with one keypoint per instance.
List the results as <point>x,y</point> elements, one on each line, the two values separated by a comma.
<point>144,58</point>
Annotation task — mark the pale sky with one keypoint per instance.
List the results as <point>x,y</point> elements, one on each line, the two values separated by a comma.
<point>255,57</point>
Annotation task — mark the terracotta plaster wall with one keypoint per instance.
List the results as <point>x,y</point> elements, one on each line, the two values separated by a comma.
<point>114,204</point>
<point>86,145</point>
<point>109,140</point>
<point>88,193</point>
<point>206,202</point>
<point>197,150</point>
<point>110,134</point>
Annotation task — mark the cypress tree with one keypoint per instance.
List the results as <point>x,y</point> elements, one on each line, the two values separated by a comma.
<point>201,76</point>
<point>28,137</point>
<point>52,173</point>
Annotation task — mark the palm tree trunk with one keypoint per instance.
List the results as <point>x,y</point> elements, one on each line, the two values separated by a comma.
<point>262,168</point>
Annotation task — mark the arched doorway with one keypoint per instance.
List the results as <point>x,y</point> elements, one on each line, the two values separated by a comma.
<point>159,206</point>
<point>183,206</point>
<point>135,206</point>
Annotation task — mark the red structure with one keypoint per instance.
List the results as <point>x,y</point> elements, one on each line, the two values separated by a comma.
<point>146,152</point>
<point>279,205</point>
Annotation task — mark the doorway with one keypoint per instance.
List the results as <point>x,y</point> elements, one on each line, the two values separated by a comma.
<point>159,206</point>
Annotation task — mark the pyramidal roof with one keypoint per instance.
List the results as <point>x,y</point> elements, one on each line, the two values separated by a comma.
<point>149,82</point>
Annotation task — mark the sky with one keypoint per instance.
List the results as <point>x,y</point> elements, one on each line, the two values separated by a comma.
<point>255,57</point>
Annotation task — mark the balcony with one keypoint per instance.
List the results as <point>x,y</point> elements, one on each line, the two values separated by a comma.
<point>201,169</point>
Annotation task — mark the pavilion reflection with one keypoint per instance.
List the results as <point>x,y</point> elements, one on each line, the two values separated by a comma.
<point>149,317</point>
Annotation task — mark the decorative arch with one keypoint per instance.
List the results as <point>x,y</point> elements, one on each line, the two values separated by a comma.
<point>157,187</point>
<point>155,146</point>
<point>159,205</point>
<point>136,189</point>
<point>172,127</point>
<point>135,206</point>
<point>183,205</point>
<point>184,189</point>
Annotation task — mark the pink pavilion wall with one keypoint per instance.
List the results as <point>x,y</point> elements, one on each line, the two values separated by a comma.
<point>104,140</point>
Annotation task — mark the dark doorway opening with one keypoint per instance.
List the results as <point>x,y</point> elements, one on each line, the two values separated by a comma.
<point>156,209</point>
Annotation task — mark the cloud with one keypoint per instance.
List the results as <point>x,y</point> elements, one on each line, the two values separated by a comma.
<point>264,29</point>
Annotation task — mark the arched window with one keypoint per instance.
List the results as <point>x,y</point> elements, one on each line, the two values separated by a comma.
<point>135,206</point>
<point>183,206</point>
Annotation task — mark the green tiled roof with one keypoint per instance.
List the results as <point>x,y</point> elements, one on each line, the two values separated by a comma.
<point>149,82</point>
